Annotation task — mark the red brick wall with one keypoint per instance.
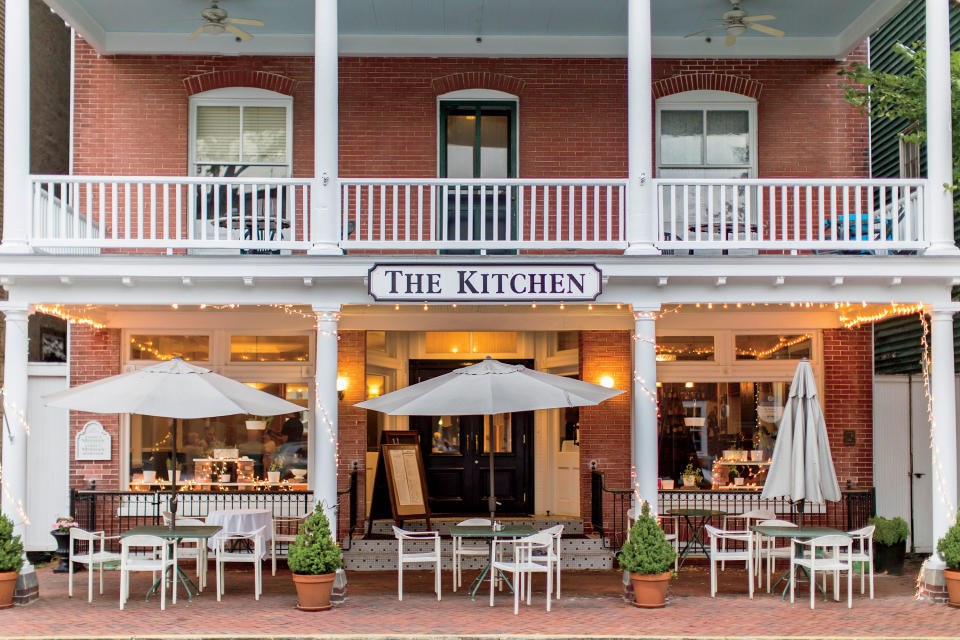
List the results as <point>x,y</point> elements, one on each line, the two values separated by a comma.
<point>94,354</point>
<point>848,402</point>
<point>605,428</point>
<point>351,364</point>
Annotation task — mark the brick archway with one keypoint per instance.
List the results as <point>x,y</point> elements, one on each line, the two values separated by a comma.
<point>239,78</point>
<point>477,80</point>
<point>707,82</point>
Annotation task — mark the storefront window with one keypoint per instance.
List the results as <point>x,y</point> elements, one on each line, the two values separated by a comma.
<point>228,452</point>
<point>269,348</point>
<point>683,348</point>
<point>166,347</point>
<point>773,347</point>
<point>446,434</point>
<point>498,434</point>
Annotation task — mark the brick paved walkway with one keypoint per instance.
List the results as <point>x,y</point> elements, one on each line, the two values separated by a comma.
<point>591,606</point>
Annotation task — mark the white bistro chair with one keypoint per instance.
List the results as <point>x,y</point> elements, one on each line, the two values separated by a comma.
<point>467,548</point>
<point>768,550</point>
<point>862,552</point>
<point>282,526</point>
<point>557,532</point>
<point>834,556</point>
<point>225,555</point>
<point>92,558</point>
<point>719,553</point>
<point>156,556</point>
<point>671,536</point>
<point>417,556</point>
<point>734,520</point>
<point>191,548</point>
<point>531,554</point>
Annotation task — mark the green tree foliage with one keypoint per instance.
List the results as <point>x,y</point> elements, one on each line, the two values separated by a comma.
<point>949,547</point>
<point>11,549</point>
<point>890,532</point>
<point>314,552</point>
<point>646,551</point>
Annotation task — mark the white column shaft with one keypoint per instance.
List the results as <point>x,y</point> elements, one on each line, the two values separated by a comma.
<point>943,437</point>
<point>325,206</point>
<point>323,462</point>
<point>13,429</point>
<point>939,147</point>
<point>16,126</point>
<point>642,215</point>
<point>643,417</point>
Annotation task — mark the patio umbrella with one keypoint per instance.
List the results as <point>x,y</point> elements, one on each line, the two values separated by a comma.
<point>172,389</point>
<point>487,388</point>
<point>802,468</point>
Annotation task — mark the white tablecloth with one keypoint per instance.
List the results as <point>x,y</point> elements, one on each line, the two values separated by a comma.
<point>241,521</point>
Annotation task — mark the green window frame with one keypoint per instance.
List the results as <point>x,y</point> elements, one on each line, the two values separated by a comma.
<point>480,108</point>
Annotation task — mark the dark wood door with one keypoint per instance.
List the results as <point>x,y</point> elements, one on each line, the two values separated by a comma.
<point>456,454</point>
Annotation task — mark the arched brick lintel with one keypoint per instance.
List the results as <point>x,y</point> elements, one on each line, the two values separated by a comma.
<point>477,80</point>
<point>239,78</point>
<point>707,82</point>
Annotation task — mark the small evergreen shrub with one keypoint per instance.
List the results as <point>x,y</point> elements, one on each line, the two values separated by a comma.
<point>646,551</point>
<point>11,548</point>
<point>949,547</point>
<point>889,532</point>
<point>314,552</point>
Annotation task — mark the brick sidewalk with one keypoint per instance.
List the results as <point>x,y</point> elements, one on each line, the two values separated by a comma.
<point>591,607</point>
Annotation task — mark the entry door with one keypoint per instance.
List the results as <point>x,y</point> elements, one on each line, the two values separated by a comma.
<point>456,453</point>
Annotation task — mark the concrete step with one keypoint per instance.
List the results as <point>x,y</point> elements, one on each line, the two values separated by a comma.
<point>572,526</point>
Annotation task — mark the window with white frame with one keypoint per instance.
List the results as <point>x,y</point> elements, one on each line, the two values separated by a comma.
<point>704,134</point>
<point>241,132</point>
<point>909,153</point>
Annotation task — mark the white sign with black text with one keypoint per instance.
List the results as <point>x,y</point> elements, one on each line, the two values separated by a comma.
<point>484,283</point>
<point>93,442</point>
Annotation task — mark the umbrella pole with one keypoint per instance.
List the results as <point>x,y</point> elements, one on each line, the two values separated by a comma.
<point>491,499</point>
<point>173,477</point>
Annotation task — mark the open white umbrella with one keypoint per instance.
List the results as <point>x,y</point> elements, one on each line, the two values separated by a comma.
<point>172,389</point>
<point>802,468</point>
<point>486,388</point>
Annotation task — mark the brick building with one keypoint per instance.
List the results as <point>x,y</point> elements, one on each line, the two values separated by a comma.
<point>333,213</point>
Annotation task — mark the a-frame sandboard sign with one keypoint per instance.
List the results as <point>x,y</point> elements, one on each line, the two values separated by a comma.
<point>399,482</point>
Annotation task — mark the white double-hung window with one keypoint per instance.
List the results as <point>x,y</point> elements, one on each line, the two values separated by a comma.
<point>241,132</point>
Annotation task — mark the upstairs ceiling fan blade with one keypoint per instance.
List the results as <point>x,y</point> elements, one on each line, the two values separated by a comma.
<point>731,40</point>
<point>770,31</point>
<point>195,34</point>
<point>250,21</point>
<point>716,26</point>
<point>240,33</point>
<point>765,17</point>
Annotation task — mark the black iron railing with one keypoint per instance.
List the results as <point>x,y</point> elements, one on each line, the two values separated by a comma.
<point>609,507</point>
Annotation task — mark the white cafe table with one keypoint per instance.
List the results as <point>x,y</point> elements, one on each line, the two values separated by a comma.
<point>241,521</point>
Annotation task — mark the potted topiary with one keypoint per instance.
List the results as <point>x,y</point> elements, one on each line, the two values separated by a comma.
<point>889,544</point>
<point>314,559</point>
<point>648,557</point>
<point>11,560</point>
<point>949,549</point>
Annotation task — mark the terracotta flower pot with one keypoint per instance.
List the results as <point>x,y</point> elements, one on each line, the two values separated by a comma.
<point>8,581</point>
<point>951,577</point>
<point>650,591</point>
<point>313,592</point>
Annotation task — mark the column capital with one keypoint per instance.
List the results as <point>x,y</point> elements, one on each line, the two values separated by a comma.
<point>945,309</point>
<point>645,312</point>
<point>15,312</point>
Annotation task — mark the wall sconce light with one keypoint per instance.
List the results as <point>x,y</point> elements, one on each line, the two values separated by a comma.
<point>341,386</point>
<point>606,381</point>
<point>688,385</point>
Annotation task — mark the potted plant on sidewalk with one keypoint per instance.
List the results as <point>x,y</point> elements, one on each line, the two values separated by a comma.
<point>61,533</point>
<point>314,559</point>
<point>11,560</point>
<point>648,557</point>
<point>889,544</point>
<point>949,549</point>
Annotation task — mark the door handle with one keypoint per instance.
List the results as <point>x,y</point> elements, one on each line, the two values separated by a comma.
<point>476,443</point>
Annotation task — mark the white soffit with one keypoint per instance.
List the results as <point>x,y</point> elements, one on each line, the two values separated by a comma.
<point>535,28</point>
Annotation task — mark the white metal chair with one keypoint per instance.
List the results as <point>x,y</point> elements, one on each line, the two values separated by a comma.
<point>732,521</point>
<point>719,553</point>
<point>525,563</point>
<point>157,557</point>
<point>467,548</point>
<point>803,553</point>
<point>281,533</point>
<point>417,556</point>
<point>557,532</point>
<point>224,556</point>
<point>671,536</point>
<point>191,548</point>
<point>92,558</point>
<point>768,550</point>
<point>862,552</point>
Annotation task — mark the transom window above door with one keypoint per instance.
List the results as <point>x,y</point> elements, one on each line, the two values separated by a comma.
<point>478,139</point>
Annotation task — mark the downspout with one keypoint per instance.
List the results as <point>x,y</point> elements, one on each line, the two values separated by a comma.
<point>869,121</point>
<point>913,540</point>
<point>73,70</point>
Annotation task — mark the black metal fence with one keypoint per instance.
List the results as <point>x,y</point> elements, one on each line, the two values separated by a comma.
<point>609,507</point>
<point>116,511</point>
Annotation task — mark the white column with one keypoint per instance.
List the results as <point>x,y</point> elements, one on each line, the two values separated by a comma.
<point>325,199</point>
<point>939,145</point>
<point>324,458</point>
<point>16,127</point>
<point>641,203</point>
<point>643,417</point>
<point>13,427</point>
<point>943,436</point>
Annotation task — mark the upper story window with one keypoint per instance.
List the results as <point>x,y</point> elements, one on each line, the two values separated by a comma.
<point>478,134</point>
<point>909,154</point>
<point>241,132</point>
<point>706,134</point>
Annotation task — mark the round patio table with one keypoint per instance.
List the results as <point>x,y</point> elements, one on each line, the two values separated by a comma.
<point>695,519</point>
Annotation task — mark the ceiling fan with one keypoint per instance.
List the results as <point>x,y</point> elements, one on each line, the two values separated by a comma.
<point>216,21</point>
<point>736,21</point>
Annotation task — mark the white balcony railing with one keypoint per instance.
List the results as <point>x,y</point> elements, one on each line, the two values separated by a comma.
<point>169,213</point>
<point>453,214</point>
<point>776,215</point>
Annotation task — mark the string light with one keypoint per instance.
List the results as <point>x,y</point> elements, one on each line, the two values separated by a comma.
<point>64,313</point>
<point>893,311</point>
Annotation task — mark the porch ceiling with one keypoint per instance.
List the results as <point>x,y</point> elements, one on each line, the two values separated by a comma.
<point>450,27</point>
